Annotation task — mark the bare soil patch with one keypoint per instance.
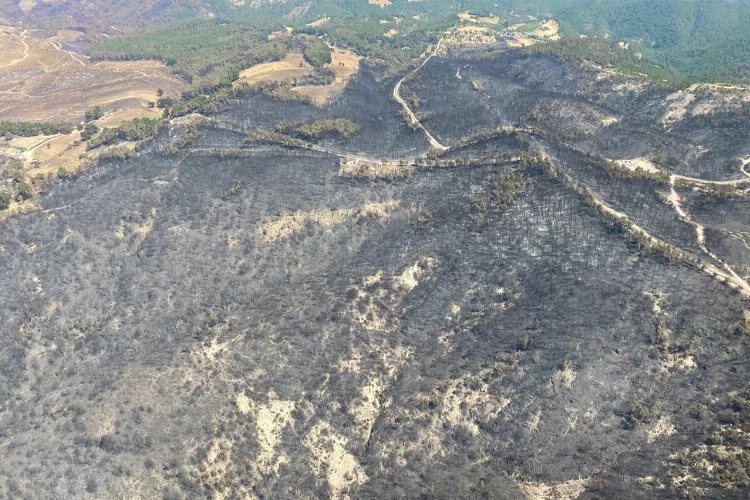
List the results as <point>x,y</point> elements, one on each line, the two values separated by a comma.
<point>319,22</point>
<point>292,66</point>
<point>42,82</point>
<point>548,29</point>
<point>472,35</point>
<point>465,16</point>
<point>381,3</point>
<point>345,64</point>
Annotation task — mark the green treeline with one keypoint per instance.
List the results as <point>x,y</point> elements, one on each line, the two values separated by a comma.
<point>207,54</point>
<point>607,54</point>
<point>366,37</point>
<point>322,128</point>
<point>138,129</point>
<point>31,129</point>
<point>316,52</point>
<point>702,40</point>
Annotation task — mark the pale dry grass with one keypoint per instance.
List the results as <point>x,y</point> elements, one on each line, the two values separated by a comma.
<point>344,64</point>
<point>19,208</point>
<point>462,402</point>
<point>465,16</point>
<point>330,459</point>
<point>286,226</point>
<point>319,22</point>
<point>292,66</point>
<point>117,117</point>
<point>564,377</point>
<point>367,409</point>
<point>270,421</point>
<point>635,164</point>
<point>548,29</point>
<point>382,3</point>
<point>411,277</point>
<point>662,427</point>
<point>567,490</point>
<point>43,82</point>
<point>519,41</point>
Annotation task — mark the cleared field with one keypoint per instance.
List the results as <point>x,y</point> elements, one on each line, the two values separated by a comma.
<point>40,81</point>
<point>292,66</point>
<point>381,3</point>
<point>465,16</point>
<point>547,29</point>
<point>472,35</point>
<point>319,22</point>
<point>344,64</point>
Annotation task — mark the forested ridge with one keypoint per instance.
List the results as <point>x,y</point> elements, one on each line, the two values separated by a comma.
<point>207,53</point>
<point>693,40</point>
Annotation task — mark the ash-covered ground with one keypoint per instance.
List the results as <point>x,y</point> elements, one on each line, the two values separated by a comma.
<point>255,324</point>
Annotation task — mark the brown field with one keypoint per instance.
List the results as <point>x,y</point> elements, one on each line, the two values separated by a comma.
<point>344,64</point>
<point>292,66</point>
<point>519,41</point>
<point>548,29</point>
<point>391,33</point>
<point>465,16</point>
<point>319,22</point>
<point>39,81</point>
<point>472,35</point>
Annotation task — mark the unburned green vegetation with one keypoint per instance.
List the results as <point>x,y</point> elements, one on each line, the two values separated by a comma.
<point>30,129</point>
<point>322,128</point>
<point>208,54</point>
<point>610,55</point>
<point>137,129</point>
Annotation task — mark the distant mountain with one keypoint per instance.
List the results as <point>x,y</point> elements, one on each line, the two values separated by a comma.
<point>102,14</point>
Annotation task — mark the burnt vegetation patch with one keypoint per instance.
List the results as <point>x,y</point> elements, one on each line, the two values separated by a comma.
<point>224,314</point>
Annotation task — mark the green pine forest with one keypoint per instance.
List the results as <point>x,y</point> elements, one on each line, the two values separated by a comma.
<point>676,41</point>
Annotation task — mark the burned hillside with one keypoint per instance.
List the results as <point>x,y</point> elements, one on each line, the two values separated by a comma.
<point>552,307</point>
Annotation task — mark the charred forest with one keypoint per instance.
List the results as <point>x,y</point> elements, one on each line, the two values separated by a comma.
<point>550,304</point>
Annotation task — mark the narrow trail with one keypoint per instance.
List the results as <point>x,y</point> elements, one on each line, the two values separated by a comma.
<point>25,54</point>
<point>726,275</point>
<point>72,55</point>
<point>397,95</point>
<point>700,231</point>
<point>29,153</point>
<point>343,155</point>
<point>696,180</point>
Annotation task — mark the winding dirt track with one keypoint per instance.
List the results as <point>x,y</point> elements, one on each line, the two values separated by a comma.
<point>726,275</point>
<point>397,95</point>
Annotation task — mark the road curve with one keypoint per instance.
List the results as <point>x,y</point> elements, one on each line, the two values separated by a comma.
<point>396,95</point>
